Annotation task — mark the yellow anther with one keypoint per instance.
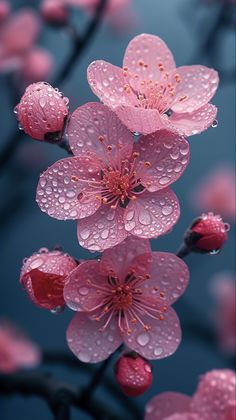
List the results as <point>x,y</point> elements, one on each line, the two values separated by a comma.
<point>183,98</point>
<point>147,164</point>
<point>74,178</point>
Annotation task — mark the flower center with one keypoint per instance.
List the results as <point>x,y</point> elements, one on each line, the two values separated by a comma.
<point>153,94</point>
<point>122,297</point>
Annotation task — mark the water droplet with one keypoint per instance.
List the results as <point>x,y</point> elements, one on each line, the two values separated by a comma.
<point>83,291</point>
<point>227,227</point>
<point>214,124</point>
<point>143,339</point>
<point>57,310</point>
<point>158,351</point>
<point>36,263</point>
<point>215,251</point>
<point>84,357</point>
<point>85,234</point>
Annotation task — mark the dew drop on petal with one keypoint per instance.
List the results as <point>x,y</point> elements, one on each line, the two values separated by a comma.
<point>215,251</point>
<point>143,339</point>
<point>57,310</point>
<point>214,124</point>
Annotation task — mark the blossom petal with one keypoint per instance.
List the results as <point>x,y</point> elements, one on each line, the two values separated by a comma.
<point>160,341</point>
<point>146,55</point>
<point>169,277</point>
<point>166,404</point>
<point>188,124</point>
<point>198,85</point>
<point>118,259</point>
<point>93,127</point>
<point>108,83</point>
<point>102,230</point>
<point>215,395</point>
<point>152,214</point>
<point>141,120</point>
<point>88,343</point>
<point>60,192</point>
<point>167,155</point>
<point>80,292</point>
<point>183,416</point>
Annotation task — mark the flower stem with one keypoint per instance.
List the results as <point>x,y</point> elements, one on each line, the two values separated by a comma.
<point>183,251</point>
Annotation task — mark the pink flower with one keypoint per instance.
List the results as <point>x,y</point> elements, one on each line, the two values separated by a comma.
<point>214,399</point>
<point>5,9</point>
<point>223,291</point>
<point>113,6</point>
<point>37,65</point>
<point>149,93</point>
<point>216,192</point>
<point>114,186</point>
<point>17,35</point>
<point>43,276</point>
<point>42,112</point>
<point>16,350</point>
<point>126,297</point>
<point>54,11</point>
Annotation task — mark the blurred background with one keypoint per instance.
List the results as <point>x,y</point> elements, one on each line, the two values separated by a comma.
<point>197,32</point>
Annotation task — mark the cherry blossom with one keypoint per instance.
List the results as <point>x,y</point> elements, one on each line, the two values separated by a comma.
<point>17,36</point>
<point>43,276</point>
<point>42,112</point>
<point>216,191</point>
<point>208,233</point>
<point>149,93</point>
<point>16,350</point>
<point>114,186</point>
<point>126,297</point>
<point>214,399</point>
<point>37,65</point>
<point>223,292</point>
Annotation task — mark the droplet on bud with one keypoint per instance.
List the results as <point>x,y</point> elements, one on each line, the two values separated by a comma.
<point>214,124</point>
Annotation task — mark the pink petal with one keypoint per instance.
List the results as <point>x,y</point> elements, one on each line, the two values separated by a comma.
<point>88,343</point>
<point>94,121</point>
<point>152,214</point>
<point>79,291</point>
<point>141,120</point>
<point>183,416</point>
<point>168,156</point>
<point>166,404</point>
<point>169,275</point>
<point>102,230</point>
<point>118,259</point>
<point>215,395</point>
<point>148,50</point>
<point>108,83</point>
<point>188,124</point>
<point>62,197</point>
<point>160,341</point>
<point>198,84</point>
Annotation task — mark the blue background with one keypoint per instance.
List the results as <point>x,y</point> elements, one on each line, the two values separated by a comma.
<point>183,24</point>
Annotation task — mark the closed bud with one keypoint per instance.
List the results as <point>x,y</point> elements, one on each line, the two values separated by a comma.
<point>133,374</point>
<point>207,234</point>
<point>54,12</point>
<point>42,112</point>
<point>43,276</point>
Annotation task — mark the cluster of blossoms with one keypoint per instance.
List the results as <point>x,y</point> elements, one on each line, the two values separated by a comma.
<point>126,154</point>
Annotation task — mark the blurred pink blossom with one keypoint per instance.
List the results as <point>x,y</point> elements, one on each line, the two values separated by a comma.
<point>216,192</point>
<point>54,11</point>
<point>37,65</point>
<point>126,297</point>
<point>16,350</point>
<point>5,9</point>
<point>17,36</point>
<point>43,276</point>
<point>149,93</point>
<point>214,399</point>
<point>223,291</point>
<point>114,186</point>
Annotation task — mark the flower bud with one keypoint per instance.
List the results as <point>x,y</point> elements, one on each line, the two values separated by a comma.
<point>54,12</point>
<point>133,374</point>
<point>42,112</point>
<point>5,9</point>
<point>208,233</point>
<point>43,276</point>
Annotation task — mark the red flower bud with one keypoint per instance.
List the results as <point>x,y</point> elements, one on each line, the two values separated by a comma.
<point>43,276</point>
<point>133,374</point>
<point>42,112</point>
<point>208,233</point>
